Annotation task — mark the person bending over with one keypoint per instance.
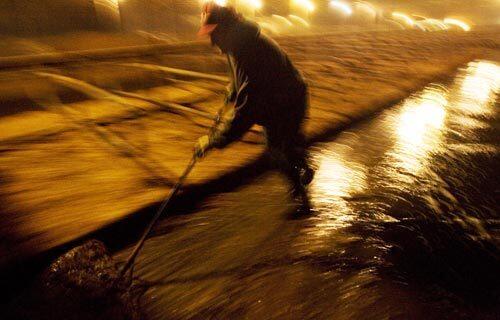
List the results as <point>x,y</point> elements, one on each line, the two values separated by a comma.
<point>266,89</point>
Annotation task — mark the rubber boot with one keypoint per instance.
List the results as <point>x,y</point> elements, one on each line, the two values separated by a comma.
<point>301,178</point>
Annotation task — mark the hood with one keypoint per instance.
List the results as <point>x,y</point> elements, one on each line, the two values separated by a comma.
<point>237,35</point>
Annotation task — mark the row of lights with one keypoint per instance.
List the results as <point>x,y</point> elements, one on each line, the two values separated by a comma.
<point>255,4</point>
<point>442,24</point>
<point>346,9</point>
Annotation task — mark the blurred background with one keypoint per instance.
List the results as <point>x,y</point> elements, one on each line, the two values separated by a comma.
<point>178,19</point>
<point>101,102</point>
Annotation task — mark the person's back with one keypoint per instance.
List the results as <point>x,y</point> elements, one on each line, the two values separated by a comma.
<point>272,85</point>
<point>266,89</point>
<point>261,59</point>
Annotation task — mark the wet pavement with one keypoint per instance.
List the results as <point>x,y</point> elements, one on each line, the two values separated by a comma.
<point>405,224</point>
<point>80,154</point>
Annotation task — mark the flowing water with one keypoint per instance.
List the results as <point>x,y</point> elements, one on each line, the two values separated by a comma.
<point>405,224</point>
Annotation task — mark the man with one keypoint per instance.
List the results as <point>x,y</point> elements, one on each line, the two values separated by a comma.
<point>266,89</point>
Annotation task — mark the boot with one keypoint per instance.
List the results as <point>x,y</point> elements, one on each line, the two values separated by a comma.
<point>306,175</point>
<point>301,197</point>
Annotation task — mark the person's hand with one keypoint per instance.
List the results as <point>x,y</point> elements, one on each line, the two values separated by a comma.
<point>202,146</point>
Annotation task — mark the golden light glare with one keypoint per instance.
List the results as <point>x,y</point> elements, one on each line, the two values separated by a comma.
<point>455,22</point>
<point>341,6</point>
<point>367,7</point>
<point>480,87</point>
<point>282,20</point>
<point>299,20</point>
<point>268,27</point>
<point>221,3</point>
<point>256,4</point>
<point>438,23</point>
<point>305,4</point>
<point>337,178</point>
<point>419,128</point>
<point>401,16</point>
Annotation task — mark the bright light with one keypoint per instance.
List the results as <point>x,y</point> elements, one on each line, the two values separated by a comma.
<point>254,4</point>
<point>457,23</point>
<point>420,129</point>
<point>479,88</point>
<point>344,7</point>
<point>298,19</point>
<point>404,17</point>
<point>221,3</point>
<point>283,20</point>
<point>257,4</point>
<point>306,4</point>
<point>366,6</point>
<point>337,178</point>
<point>437,23</point>
<point>268,26</point>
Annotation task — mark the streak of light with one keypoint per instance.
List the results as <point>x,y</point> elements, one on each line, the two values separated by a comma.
<point>367,7</point>
<point>438,23</point>
<point>419,129</point>
<point>337,179</point>
<point>455,22</point>
<point>419,17</point>
<point>394,24</point>
<point>404,17</point>
<point>221,3</point>
<point>111,4</point>
<point>344,7</point>
<point>254,4</point>
<point>299,20</point>
<point>282,19</point>
<point>268,26</point>
<point>479,88</point>
<point>429,24</point>
<point>308,5</point>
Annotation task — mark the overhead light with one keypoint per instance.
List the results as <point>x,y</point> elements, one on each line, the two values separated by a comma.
<point>344,7</point>
<point>457,23</point>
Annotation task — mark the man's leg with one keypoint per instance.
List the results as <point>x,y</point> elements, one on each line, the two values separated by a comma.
<point>287,149</point>
<point>299,171</point>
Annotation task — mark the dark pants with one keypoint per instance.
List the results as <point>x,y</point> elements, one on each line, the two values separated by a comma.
<point>286,143</point>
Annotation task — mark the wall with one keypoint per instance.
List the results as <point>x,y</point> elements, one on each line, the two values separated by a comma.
<point>30,17</point>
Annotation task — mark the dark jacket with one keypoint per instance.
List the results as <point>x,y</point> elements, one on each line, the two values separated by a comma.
<point>265,86</point>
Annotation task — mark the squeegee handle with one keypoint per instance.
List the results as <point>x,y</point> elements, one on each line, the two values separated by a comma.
<point>164,204</point>
<point>157,215</point>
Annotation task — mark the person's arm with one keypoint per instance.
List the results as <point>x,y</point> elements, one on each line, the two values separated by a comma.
<point>242,120</point>
<point>230,90</point>
<point>232,129</point>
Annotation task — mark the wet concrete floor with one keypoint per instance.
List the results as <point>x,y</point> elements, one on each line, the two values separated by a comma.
<point>405,224</point>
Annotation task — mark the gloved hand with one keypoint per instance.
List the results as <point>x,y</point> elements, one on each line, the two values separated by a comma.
<point>202,146</point>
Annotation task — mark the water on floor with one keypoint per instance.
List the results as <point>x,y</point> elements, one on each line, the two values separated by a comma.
<point>405,224</point>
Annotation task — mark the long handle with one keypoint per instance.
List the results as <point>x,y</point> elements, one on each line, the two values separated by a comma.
<point>173,192</point>
<point>157,215</point>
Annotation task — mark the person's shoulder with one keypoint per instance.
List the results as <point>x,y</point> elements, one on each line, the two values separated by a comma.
<point>268,41</point>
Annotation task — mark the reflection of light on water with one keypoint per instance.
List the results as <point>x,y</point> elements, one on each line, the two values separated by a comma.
<point>479,88</point>
<point>336,178</point>
<point>417,131</point>
<point>419,127</point>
